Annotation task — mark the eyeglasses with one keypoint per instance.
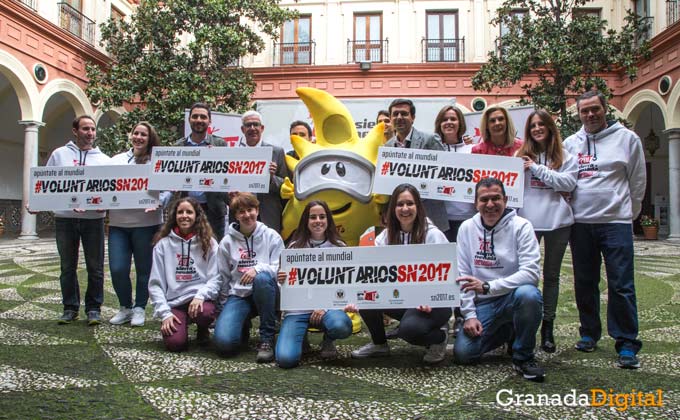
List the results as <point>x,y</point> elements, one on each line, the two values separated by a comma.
<point>252,125</point>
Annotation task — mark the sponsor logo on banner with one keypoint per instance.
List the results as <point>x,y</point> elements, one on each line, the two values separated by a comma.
<point>395,293</point>
<point>114,199</point>
<point>340,294</point>
<point>187,180</point>
<point>447,190</point>
<point>74,199</point>
<point>94,200</point>
<point>225,181</point>
<point>206,182</point>
<point>371,296</point>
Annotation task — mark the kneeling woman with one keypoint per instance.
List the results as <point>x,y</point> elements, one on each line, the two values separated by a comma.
<point>316,230</point>
<point>248,260</point>
<point>407,224</point>
<point>184,279</point>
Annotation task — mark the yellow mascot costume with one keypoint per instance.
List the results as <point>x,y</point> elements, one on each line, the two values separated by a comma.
<point>337,169</point>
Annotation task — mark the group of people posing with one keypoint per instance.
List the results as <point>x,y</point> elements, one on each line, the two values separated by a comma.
<point>198,268</point>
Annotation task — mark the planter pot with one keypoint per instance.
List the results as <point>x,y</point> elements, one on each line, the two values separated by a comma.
<point>651,232</point>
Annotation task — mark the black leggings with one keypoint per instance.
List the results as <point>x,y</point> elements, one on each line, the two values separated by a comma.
<point>416,327</point>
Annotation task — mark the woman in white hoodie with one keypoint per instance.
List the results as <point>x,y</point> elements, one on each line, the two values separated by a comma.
<point>407,224</point>
<point>550,176</point>
<point>315,230</point>
<point>248,260</point>
<point>184,279</point>
<point>131,234</point>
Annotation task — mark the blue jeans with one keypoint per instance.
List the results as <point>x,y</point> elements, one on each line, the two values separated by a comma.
<point>589,244</point>
<point>555,244</point>
<point>123,244</point>
<point>519,311</point>
<point>69,233</point>
<point>238,310</point>
<point>335,323</point>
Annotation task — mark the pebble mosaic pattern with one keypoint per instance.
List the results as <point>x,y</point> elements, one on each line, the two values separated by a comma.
<point>199,384</point>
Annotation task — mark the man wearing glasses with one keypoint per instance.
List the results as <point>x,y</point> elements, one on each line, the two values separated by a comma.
<point>271,205</point>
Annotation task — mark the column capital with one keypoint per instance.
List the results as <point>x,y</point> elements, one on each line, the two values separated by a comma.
<point>31,122</point>
<point>673,133</point>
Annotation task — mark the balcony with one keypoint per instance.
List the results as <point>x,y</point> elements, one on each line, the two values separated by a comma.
<point>443,50</point>
<point>76,23</point>
<point>672,12</point>
<point>294,53</point>
<point>374,51</point>
<point>28,3</point>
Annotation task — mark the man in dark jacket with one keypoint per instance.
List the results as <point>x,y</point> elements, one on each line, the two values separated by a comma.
<point>214,203</point>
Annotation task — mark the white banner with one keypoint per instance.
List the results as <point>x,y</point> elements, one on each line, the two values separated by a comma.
<point>278,114</point>
<point>447,176</point>
<point>226,126</point>
<point>57,188</point>
<point>217,169</point>
<point>383,277</point>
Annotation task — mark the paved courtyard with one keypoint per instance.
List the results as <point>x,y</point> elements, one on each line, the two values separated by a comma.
<point>49,371</point>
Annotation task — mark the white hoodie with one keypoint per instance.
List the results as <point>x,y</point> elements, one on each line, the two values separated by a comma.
<point>544,206</point>
<point>180,273</point>
<point>238,254</point>
<point>611,175</point>
<point>506,256</point>
<point>131,218</point>
<point>71,155</point>
<point>432,236</point>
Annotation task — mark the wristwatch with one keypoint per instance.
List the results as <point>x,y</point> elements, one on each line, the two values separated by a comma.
<point>485,288</point>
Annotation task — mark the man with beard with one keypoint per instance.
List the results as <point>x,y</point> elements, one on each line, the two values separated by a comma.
<point>214,203</point>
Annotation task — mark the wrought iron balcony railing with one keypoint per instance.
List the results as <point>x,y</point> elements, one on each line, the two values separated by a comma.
<point>672,12</point>
<point>294,53</point>
<point>29,3</point>
<point>374,51</point>
<point>76,23</point>
<point>443,49</point>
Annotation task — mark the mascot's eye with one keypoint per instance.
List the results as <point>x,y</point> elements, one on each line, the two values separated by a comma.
<point>340,168</point>
<point>325,168</point>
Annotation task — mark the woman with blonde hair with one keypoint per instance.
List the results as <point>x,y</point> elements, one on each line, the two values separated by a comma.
<point>498,134</point>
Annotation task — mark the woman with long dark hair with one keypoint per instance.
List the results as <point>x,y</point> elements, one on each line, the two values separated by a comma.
<point>130,235</point>
<point>550,174</point>
<point>407,224</point>
<point>184,279</point>
<point>315,230</point>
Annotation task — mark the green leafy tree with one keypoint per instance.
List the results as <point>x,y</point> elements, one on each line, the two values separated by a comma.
<point>556,53</point>
<point>176,52</point>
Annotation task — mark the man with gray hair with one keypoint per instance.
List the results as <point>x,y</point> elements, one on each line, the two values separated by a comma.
<point>271,205</point>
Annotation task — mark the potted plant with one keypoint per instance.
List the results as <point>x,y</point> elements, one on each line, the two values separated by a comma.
<point>650,227</point>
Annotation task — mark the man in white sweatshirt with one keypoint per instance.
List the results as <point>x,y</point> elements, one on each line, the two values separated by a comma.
<point>608,196</point>
<point>498,262</point>
<point>74,226</point>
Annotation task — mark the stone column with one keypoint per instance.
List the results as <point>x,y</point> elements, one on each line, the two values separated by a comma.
<point>674,182</point>
<point>29,221</point>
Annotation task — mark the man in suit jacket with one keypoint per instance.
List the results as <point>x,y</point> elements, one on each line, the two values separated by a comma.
<point>402,114</point>
<point>271,205</point>
<point>214,203</point>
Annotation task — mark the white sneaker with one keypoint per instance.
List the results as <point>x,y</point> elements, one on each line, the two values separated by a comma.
<point>137,317</point>
<point>371,350</point>
<point>123,316</point>
<point>437,352</point>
